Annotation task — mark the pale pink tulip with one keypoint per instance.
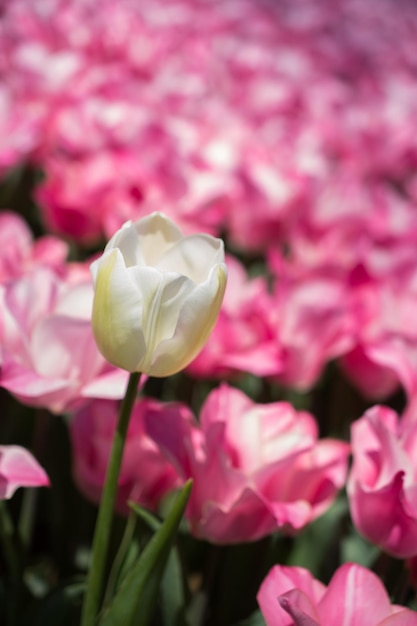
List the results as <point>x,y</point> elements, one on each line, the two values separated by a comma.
<point>255,468</point>
<point>290,596</point>
<point>313,322</point>
<point>19,252</point>
<point>145,475</point>
<point>382,299</point>
<point>245,336</point>
<point>382,485</point>
<point>289,116</point>
<point>49,356</point>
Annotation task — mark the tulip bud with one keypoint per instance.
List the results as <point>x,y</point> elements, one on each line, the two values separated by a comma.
<point>157,295</point>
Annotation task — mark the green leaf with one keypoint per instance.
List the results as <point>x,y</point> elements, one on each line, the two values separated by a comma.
<point>173,599</point>
<point>256,619</point>
<point>127,554</point>
<point>134,603</point>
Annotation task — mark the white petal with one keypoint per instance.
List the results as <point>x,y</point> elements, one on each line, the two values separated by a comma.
<point>156,234</point>
<point>127,241</point>
<point>117,313</point>
<point>195,323</point>
<point>163,296</point>
<point>193,256</point>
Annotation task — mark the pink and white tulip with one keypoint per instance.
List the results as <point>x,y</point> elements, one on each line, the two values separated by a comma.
<point>49,356</point>
<point>245,337</point>
<point>145,476</point>
<point>19,252</point>
<point>382,485</point>
<point>256,468</point>
<point>290,596</point>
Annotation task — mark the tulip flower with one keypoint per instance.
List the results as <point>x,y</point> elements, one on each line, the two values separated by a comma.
<point>145,475</point>
<point>48,354</point>
<point>157,295</point>
<point>256,468</point>
<point>383,481</point>
<point>290,596</point>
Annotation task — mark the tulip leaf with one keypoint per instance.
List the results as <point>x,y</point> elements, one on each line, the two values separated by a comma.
<point>256,619</point>
<point>173,600</point>
<point>134,602</point>
<point>126,556</point>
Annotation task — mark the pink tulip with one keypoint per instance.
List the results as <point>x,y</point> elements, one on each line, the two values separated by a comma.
<point>312,319</point>
<point>256,468</point>
<point>382,297</point>
<point>79,195</point>
<point>290,596</point>
<point>145,476</point>
<point>49,356</point>
<point>292,127</point>
<point>245,336</point>
<point>19,252</point>
<point>382,485</point>
<point>18,468</point>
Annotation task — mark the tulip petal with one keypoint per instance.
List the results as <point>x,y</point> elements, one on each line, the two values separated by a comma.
<point>163,296</point>
<point>300,607</point>
<point>117,313</point>
<point>156,233</point>
<point>110,385</point>
<point>18,468</point>
<point>193,256</point>
<point>34,390</point>
<point>63,346</point>
<point>197,318</point>
<point>355,593</point>
<point>401,618</point>
<point>143,243</point>
<point>396,530</point>
<point>279,581</point>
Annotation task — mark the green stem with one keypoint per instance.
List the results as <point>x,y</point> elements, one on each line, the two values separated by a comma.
<point>105,513</point>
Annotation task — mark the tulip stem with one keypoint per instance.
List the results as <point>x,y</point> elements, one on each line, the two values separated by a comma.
<point>105,514</point>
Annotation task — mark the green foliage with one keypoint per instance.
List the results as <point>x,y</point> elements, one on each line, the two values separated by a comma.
<point>134,602</point>
<point>255,619</point>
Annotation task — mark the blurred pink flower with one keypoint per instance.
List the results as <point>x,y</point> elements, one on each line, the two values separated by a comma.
<point>255,468</point>
<point>290,596</point>
<point>18,468</point>
<point>245,337</point>
<point>382,485</point>
<point>77,195</point>
<point>145,476</point>
<point>312,320</point>
<point>241,115</point>
<point>382,302</point>
<point>19,252</point>
<point>48,354</point>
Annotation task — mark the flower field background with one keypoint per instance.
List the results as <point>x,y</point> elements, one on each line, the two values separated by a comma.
<point>289,130</point>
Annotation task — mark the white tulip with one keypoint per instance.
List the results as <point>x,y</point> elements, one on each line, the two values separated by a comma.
<point>157,295</point>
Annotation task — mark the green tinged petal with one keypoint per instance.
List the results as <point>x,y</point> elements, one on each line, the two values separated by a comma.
<point>117,313</point>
